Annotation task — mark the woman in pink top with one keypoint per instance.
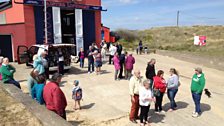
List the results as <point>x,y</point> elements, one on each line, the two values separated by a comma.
<point>116,65</point>
<point>129,65</point>
<point>81,57</point>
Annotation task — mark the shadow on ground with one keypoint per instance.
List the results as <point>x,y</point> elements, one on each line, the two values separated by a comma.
<point>88,106</point>
<point>156,118</point>
<point>205,107</point>
<point>77,71</point>
<point>76,123</point>
<point>180,105</point>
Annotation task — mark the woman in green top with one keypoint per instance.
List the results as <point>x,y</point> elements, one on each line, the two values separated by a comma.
<point>197,86</point>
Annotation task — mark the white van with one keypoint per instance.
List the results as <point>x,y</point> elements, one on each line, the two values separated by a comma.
<point>25,54</point>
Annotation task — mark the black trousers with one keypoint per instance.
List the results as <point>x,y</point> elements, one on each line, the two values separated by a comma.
<point>158,104</point>
<point>144,113</point>
<point>14,82</point>
<point>90,65</point>
<point>121,71</point>
<point>110,58</point>
<point>61,67</point>
<point>47,72</point>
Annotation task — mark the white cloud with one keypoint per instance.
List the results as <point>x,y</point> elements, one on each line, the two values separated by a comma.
<point>128,1</point>
<point>109,3</point>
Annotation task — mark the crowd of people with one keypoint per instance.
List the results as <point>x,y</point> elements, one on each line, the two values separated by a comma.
<point>144,91</point>
<point>122,61</point>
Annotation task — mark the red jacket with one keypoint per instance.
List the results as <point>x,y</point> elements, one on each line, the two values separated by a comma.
<point>159,83</point>
<point>54,98</point>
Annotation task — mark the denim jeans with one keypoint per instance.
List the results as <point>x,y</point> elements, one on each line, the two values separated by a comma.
<point>90,62</point>
<point>197,98</point>
<point>81,62</point>
<point>171,95</point>
<point>12,81</point>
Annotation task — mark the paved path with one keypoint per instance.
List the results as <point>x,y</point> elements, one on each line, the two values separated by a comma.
<point>107,102</point>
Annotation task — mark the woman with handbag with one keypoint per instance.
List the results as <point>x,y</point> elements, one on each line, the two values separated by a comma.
<point>159,90</point>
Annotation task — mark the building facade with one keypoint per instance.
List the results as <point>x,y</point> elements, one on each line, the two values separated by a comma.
<point>68,21</point>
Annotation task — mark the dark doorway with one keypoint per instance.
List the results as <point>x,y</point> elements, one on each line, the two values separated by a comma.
<point>68,26</point>
<point>89,35</point>
<point>6,47</point>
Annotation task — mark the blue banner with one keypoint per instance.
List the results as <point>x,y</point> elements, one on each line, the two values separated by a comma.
<point>62,4</point>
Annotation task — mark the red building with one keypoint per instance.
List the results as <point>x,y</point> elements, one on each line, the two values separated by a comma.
<point>107,35</point>
<point>68,21</point>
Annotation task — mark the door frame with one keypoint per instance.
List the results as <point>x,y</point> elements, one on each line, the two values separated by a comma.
<point>12,45</point>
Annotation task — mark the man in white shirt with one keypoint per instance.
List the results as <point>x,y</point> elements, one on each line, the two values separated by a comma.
<point>113,50</point>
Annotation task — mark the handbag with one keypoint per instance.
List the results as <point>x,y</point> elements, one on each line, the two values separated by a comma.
<point>156,92</point>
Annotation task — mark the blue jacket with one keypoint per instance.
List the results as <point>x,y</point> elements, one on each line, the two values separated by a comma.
<point>38,64</point>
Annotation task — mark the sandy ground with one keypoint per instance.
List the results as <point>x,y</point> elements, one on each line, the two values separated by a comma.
<point>15,113</point>
<point>107,103</point>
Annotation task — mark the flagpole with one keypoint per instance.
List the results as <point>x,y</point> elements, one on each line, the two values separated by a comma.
<point>45,21</point>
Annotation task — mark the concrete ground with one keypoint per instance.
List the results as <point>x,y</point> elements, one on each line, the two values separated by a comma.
<point>107,103</point>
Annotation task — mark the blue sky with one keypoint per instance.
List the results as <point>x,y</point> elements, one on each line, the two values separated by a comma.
<point>143,14</point>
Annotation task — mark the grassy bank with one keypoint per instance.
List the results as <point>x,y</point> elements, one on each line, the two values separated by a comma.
<point>179,39</point>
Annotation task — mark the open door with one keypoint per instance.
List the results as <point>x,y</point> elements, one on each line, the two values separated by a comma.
<point>22,54</point>
<point>57,24</point>
<point>79,30</point>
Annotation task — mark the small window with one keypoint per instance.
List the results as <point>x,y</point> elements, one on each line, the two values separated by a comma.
<point>5,4</point>
<point>2,18</point>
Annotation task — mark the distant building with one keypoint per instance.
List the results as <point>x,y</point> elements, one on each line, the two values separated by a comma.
<point>69,21</point>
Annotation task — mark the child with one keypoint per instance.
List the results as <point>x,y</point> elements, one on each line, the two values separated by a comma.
<point>145,98</point>
<point>81,57</point>
<point>37,89</point>
<point>77,95</point>
<point>1,60</point>
<point>98,62</point>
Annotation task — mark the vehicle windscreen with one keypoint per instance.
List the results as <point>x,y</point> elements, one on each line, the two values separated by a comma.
<point>53,55</point>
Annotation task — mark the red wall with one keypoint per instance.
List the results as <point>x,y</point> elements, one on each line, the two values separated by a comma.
<point>22,33</point>
<point>106,34</point>
<point>18,33</point>
<point>14,14</point>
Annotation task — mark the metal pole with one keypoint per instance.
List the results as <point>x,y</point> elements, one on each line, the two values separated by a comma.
<point>178,12</point>
<point>45,21</point>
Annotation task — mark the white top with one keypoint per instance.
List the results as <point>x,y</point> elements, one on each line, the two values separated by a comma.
<point>113,50</point>
<point>143,94</point>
